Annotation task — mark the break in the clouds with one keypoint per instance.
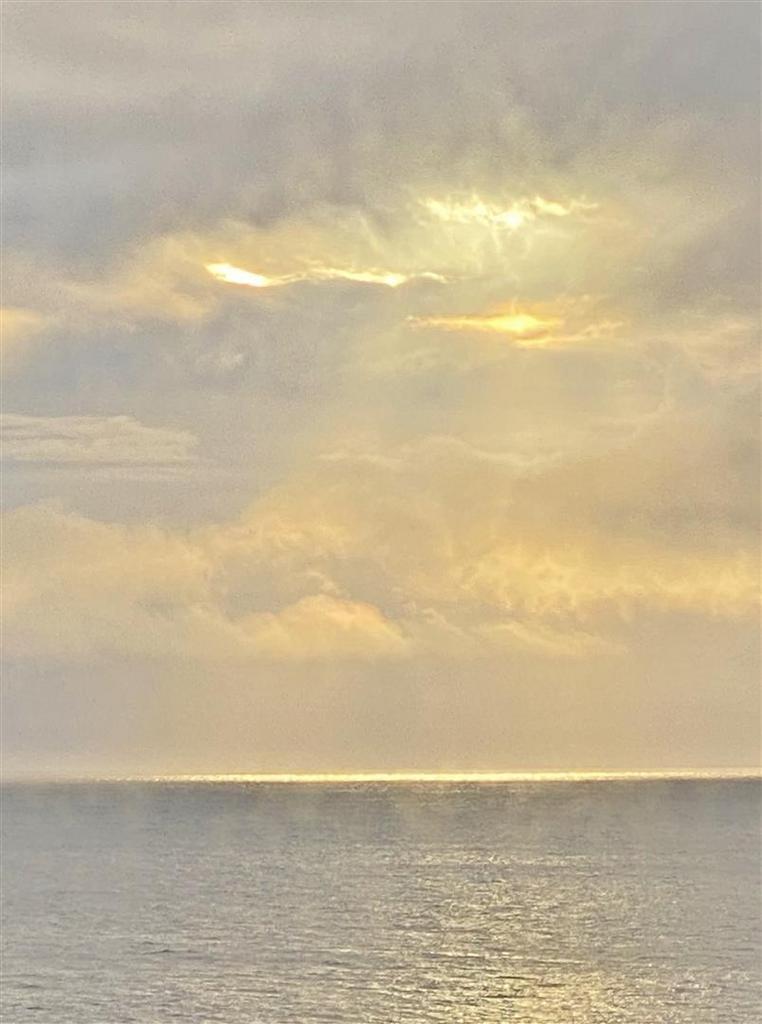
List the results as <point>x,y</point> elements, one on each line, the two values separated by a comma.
<point>388,278</point>
<point>381,390</point>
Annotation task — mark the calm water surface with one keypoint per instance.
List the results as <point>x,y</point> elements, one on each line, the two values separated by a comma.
<point>550,903</point>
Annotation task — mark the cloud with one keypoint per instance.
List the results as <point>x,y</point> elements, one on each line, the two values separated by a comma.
<point>435,547</point>
<point>78,589</point>
<point>174,277</point>
<point>106,442</point>
<point>590,540</point>
<point>19,328</point>
<point>279,107</point>
<point>725,348</point>
<point>18,324</point>
<point>547,641</point>
<point>324,627</point>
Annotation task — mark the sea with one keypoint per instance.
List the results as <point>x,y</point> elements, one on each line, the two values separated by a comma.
<point>248,901</point>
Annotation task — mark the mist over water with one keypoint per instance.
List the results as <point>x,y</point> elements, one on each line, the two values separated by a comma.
<point>606,902</point>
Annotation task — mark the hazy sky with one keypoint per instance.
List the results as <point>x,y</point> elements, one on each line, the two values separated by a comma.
<point>380,386</point>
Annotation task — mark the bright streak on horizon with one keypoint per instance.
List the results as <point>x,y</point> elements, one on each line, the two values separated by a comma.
<point>345,778</point>
<point>455,777</point>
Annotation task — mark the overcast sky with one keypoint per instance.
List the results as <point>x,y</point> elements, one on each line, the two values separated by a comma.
<point>380,386</point>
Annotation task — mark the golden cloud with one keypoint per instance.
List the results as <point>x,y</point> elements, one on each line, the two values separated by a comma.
<point>323,627</point>
<point>539,327</point>
<point>442,240</point>
<point>465,580</point>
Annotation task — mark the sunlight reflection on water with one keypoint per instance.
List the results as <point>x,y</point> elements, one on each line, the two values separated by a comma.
<point>543,903</point>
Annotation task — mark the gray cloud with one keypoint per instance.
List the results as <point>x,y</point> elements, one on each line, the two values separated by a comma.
<point>94,441</point>
<point>154,116</point>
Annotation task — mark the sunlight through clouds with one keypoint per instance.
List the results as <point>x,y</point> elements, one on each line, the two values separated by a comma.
<point>523,329</point>
<point>337,371</point>
<point>476,210</point>
<point>235,275</point>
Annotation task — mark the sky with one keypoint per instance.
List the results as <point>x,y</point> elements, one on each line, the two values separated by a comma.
<point>380,387</point>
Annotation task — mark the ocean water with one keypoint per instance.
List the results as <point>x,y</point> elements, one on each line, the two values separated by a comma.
<point>598,902</point>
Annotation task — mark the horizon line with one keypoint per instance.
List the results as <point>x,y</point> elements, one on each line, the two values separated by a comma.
<point>329,778</point>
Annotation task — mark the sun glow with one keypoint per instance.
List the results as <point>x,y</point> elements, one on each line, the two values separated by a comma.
<point>523,329</point>
<point>390,279</point>
<point>385,277</point>
<point>443,778</point>
<point>476,210</point>
<point>235,275</point>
